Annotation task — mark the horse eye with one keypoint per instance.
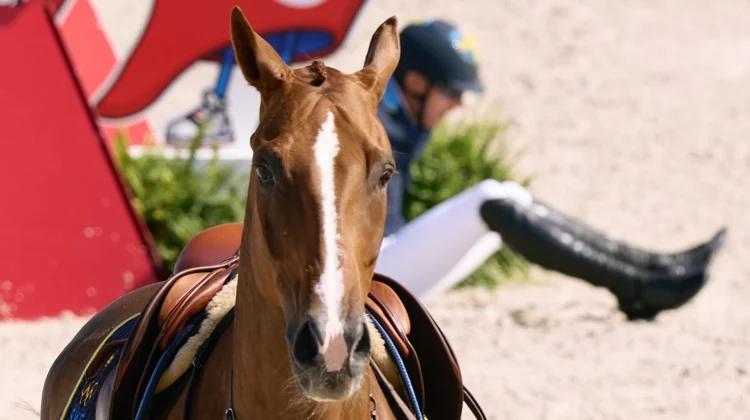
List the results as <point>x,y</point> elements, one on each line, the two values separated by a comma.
<point>386,176</point>
<point>264,174</point>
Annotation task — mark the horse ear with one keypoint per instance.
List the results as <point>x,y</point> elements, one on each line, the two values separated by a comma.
<point>261,65</point>
<point>382,57</point>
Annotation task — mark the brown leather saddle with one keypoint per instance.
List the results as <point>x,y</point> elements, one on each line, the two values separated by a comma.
<point>201,270</point>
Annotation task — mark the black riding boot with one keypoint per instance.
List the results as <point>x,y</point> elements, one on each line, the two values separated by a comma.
<point>677,262</point>
<point>641,293</point>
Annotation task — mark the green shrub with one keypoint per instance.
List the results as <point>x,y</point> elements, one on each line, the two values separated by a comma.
<point>459,156</point>
<point>177,199</point>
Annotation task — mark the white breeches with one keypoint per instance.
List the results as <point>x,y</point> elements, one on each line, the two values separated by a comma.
<point>447,243</point>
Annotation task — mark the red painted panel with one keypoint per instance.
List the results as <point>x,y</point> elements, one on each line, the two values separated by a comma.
<point>69,239</point>
<point>53,5</point>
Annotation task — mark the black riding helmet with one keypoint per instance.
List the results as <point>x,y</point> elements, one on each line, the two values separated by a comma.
<point>440,52</point>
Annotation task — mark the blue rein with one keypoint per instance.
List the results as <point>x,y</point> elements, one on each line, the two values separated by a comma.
<point>401,365</point>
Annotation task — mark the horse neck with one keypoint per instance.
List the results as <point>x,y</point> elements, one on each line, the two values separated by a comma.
<point>263,383</point>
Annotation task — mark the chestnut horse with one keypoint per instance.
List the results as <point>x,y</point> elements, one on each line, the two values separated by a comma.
<point>298,346</point>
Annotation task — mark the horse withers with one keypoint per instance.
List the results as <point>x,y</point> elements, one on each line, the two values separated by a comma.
<point>291,339</point>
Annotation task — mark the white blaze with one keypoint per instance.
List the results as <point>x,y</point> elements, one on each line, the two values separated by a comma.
<point>330,288</point>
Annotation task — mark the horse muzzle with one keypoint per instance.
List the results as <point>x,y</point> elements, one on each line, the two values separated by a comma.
<point>328,363</point>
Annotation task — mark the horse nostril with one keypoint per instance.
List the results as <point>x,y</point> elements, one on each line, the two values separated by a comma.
<point>306,344</point>
<point>362,346</point>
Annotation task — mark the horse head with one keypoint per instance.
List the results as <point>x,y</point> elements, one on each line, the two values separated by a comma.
<point>317,202</point>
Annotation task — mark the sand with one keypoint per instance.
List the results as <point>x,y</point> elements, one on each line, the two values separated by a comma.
<point>633,118</point>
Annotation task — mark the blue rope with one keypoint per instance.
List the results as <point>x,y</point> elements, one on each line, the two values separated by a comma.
<point>401,366</point>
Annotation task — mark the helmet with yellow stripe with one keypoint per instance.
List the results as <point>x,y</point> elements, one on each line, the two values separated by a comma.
<point>442,53</point>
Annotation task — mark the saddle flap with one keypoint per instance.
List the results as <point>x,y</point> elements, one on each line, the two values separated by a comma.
<point>383,302</point>
<point>189,295</point>
<point>443,392</point>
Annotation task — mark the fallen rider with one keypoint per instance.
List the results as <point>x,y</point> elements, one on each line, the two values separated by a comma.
<point>446,244</point>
